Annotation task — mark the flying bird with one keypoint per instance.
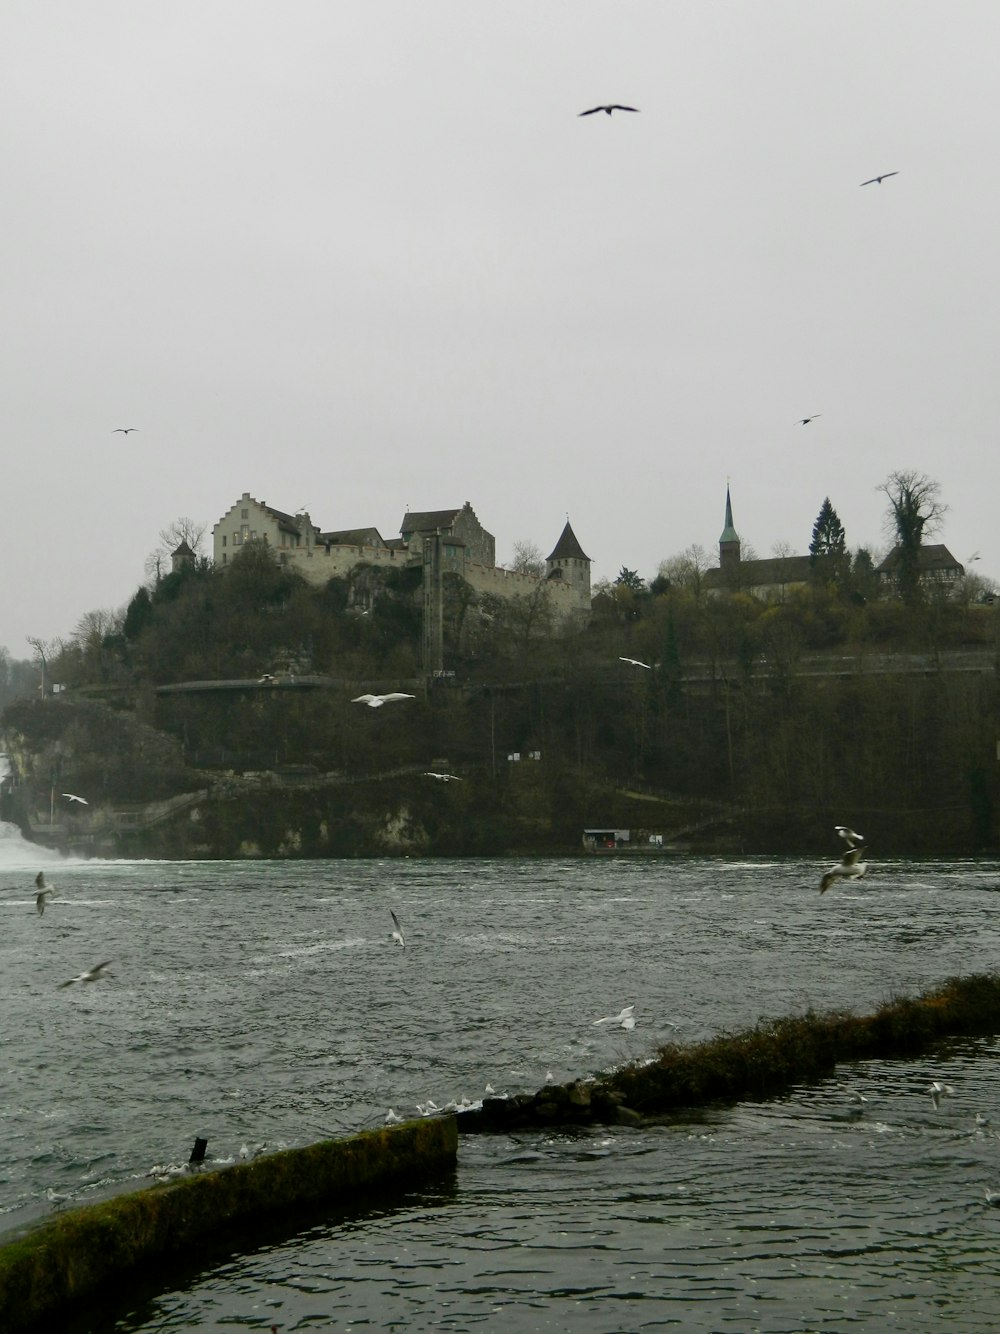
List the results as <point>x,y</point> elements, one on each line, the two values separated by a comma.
<point>398,932</point>
<point>804,421</point>
<point>938,1091</point>
<point>850,867</point>
<point>376,701</point>
<point>614,106</point>
<point>634,662</point>
<point>852,839</point>
<point>44,892</point>
<point>877,180</point>
<point>91,975</point>
<point>444,778</point>
<point>625,1018</point>
<point>71,796</point>
<point>124,430</point>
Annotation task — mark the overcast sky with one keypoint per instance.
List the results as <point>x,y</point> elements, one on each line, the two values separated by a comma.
<point>364,256</point>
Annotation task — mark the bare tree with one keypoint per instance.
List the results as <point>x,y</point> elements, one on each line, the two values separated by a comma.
<point>181,530</point>
<point>686,569</point>
<point>915,510</point>
<point>527,559</point>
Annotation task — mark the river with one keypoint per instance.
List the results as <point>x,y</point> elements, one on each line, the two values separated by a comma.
<point>264,1005</point>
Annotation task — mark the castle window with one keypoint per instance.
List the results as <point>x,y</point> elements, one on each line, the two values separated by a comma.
<point>223,539</point>
<point>244,514</point>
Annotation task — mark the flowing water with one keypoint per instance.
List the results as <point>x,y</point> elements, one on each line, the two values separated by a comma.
<point>265,1004</point>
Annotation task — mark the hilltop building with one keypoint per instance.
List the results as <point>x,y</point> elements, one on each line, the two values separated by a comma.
<point>770,579</point>
<point>773,578</point>
<point>451,541</point>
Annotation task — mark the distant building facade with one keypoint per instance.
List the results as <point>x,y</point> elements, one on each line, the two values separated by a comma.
<point>773,578</point>
<point>462,546</point>
<point>770,580</point>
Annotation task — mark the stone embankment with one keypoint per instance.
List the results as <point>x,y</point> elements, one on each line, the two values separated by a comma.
<point>758,1063</point>
<point>71,1261</point>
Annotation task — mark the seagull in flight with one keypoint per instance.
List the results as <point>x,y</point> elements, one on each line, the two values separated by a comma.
<point>613,106</point>
<point>938,1091</point>
<point>398,931</point>
<point>877,180</point>
<point>804,421</point>
<point>91,975</point>
<point>71,796</point>
<point>634,662</point>
<point>44,892</point>
<point>852,839</point>
<point>625,1018</point>
<point>444,778</point>
<point>376,701</point>
<point>850,867</point>
<point>124,430</point>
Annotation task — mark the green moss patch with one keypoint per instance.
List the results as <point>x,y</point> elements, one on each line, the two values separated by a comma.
<point>758,1063</point>
<point>67,1260</point>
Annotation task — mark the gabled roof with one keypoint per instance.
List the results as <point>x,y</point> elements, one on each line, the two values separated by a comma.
<point>568,548</point>
<point>427,521</point>
<point>935,556</point>
<point>353,537</point>
<point>761,573</point>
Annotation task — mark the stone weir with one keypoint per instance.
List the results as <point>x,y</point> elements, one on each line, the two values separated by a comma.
<point>758,1063</point>
<point>70,1263</point>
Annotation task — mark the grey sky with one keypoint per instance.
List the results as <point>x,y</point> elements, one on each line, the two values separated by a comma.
<point>359,256</point>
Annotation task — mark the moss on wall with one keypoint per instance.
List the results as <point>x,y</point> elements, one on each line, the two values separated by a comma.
<point>760,1062</point>
<point>69,1259</point>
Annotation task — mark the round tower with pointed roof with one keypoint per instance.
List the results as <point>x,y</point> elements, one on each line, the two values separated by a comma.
<point>570,563</point>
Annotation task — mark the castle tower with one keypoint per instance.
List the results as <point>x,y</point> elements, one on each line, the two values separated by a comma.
<point>181,556</point>
<point>729,542</point>
<point>570,563</point>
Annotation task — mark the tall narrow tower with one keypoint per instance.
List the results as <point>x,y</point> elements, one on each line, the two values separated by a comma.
<point>729,542</point>
<point>570,563</point>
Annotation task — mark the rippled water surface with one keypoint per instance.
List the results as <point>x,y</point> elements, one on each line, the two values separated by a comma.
<point>266,1005</point>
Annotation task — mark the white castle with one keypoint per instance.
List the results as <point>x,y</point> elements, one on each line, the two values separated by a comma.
<point>461,546</point>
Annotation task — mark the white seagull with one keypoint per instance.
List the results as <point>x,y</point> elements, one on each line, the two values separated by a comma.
<point>850,867</point>
<point>392,1117</point>
<point>44,891</point>
<point>634,662</point>
<point>613,106</point>
<point>71,796</point>
<point>376,701</point>
<point>938,1091</point>
<point>91,975</point>
<point>442,778</point>
<point>852,839</point>
<point>877,180</point>
<point>625,1018</point>
<point>398,932</point>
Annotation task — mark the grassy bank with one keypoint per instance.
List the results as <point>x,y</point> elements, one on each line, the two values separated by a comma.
<point>65,1263</point>
<point>757,1063</point>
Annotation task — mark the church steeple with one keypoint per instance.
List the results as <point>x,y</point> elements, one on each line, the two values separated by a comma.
<point>729,542</point>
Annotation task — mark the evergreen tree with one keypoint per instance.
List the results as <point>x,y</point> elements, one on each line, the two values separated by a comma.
<point>828,548</point>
